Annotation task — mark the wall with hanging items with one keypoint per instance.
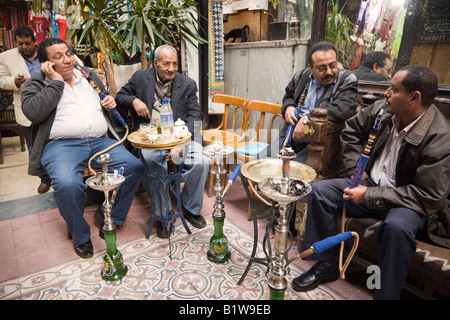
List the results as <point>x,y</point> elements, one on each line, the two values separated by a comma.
<point>47,23</point>
<point>12,14</point>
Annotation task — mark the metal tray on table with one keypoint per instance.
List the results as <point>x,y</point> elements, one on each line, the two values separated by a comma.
<point>258,170</point>
<point>159,144</point>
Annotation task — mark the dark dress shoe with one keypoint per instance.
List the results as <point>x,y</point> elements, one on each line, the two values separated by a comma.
<point>195,219</point>
<point>85,251</point>
<point>43,187</point>
<point>99,218</point>
<point>161,232</point>
<point>319,273</point>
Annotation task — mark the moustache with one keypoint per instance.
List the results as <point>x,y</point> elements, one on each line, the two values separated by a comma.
<point>328,77</point>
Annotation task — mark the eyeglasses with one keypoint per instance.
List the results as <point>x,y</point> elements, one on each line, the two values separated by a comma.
<point>332,66</point>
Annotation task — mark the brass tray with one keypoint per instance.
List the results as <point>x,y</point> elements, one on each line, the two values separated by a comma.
<point>258,170</point>
<point>136,141</point>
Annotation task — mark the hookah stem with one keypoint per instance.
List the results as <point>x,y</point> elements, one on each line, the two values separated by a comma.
<point>359,171</point>
<point>114,112</point>
<point>113,197</point>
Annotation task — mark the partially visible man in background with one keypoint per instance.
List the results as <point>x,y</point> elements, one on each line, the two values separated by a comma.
<point>16,66</point>
<point>376,66</point>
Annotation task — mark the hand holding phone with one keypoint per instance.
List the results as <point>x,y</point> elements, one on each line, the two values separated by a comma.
<point>47,67</point>
<point>20,79</point>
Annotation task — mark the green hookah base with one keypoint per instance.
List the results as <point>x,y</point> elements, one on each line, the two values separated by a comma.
<point>276,294</point>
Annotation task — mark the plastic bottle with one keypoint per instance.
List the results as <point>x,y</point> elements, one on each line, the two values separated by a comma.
<point>166,116</point>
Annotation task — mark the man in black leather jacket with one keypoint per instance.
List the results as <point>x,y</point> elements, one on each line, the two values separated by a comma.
<point>322,85</point>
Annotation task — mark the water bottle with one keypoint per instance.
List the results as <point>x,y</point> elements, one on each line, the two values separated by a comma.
<point>166,117</point>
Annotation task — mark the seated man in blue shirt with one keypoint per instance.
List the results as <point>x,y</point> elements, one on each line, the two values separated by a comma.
<point>321,84</point>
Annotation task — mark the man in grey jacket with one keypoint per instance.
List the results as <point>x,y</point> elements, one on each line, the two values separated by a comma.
<point>70,126</point>
<point>405,183</point>
<point>322,85</point>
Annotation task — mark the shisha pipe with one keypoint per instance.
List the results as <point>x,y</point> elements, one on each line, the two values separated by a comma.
<point>359,171</point>
<point>286,190</point>
<point>218,251</point>
<point>113,267</point>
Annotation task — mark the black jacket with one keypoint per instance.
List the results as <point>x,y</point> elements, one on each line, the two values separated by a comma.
<point>339,99</point>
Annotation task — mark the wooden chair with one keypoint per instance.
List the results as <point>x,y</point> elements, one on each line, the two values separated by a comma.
<point>223,133</point>
<point>259,135</point>
<point>8,122</point>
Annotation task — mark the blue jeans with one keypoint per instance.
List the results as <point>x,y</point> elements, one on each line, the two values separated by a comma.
<point>195,171</point>
<point>66,160</point>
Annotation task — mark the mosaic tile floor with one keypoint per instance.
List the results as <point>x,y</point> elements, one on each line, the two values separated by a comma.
<point>153,275</point>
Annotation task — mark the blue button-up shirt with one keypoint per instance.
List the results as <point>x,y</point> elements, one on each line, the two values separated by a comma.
<point>33,66</point>
<point>315,91</point>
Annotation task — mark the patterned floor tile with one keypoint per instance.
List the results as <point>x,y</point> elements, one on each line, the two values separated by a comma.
<point>153,275</point>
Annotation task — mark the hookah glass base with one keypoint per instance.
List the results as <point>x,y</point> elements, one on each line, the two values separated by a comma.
<point>276,295</point>
<point>113,267</point>
<point>218,245</point>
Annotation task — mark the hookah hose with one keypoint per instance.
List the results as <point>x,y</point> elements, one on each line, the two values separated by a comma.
<point>330,242</point>
<point>114,112</point>
<point>359,171</point>
<point>291,127</point>
<point>231,179</point>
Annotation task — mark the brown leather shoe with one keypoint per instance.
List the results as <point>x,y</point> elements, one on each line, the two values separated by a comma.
<point>43,187</point>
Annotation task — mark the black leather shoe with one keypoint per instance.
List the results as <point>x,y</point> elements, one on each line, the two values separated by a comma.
<point>196,220</point>
<point>319,273</point>
<point>99,218</point>
<point>161,232</point>
<point>85,251</point>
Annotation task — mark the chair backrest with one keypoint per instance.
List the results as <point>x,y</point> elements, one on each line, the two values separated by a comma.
<point>8,118</point>
<point>260,131</point>
<point>238,104</point>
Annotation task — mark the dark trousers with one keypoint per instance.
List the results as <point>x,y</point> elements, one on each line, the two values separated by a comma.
<point>396,233</point>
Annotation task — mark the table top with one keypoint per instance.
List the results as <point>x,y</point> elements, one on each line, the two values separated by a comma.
<point>258,170</point>
<point>160,144</point>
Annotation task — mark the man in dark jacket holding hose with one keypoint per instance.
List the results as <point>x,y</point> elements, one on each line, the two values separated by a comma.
<point>69,126</point>
<point>405,183</point>
<point>322,84</point>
